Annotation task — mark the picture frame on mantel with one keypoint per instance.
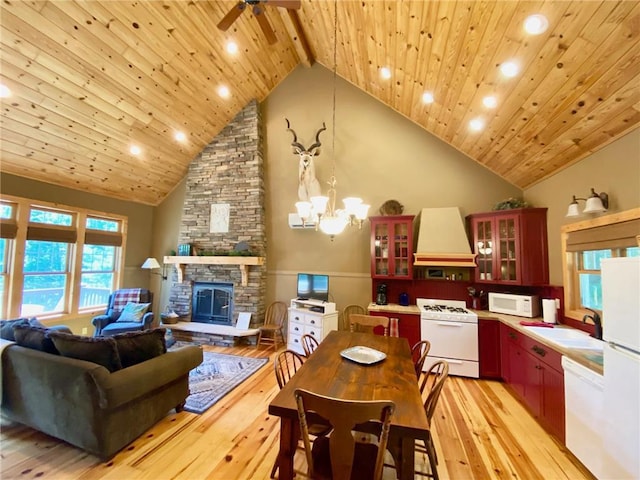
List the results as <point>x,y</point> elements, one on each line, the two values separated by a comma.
<point>219,219</point>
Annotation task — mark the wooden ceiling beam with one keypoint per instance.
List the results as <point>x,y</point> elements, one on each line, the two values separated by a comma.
<point>300,41</point>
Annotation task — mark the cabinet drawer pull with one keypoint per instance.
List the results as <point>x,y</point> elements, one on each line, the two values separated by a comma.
<point>312,322</point>
<point>512,335</point>
<point>540,351</point>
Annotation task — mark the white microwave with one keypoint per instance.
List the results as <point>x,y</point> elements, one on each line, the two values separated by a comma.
<point>519,305</point>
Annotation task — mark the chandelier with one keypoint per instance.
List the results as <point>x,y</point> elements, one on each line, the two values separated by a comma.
<point>321,209</point>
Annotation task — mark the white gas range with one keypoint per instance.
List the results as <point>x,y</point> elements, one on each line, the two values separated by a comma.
<point>453,333</point>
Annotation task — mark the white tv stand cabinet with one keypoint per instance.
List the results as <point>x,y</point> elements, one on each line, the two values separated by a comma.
<point>317,322</point>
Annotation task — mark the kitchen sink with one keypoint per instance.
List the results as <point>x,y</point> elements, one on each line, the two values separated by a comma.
<point>568,338</point>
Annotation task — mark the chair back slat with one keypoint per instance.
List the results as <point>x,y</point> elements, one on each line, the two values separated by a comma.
<point>309,344</point>
<point>286,364</point>
<point>347,311</point>
<point>419,354</point>
<point>276,314</point>
<point>431,384</point>
<point>344,415</point>
<point>366,323</point>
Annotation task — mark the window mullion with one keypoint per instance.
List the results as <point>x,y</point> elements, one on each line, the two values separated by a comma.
<point>16,269</point>
<point>76,267</point>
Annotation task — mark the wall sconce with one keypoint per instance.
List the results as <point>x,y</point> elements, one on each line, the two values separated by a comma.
<point>596,203</point>
<point>151,264</point>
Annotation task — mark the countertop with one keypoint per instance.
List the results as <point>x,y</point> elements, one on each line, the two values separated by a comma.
<point>589,358</point>
<point>394,308</point>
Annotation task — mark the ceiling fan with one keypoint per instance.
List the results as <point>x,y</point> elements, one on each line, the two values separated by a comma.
<point>258,11</point>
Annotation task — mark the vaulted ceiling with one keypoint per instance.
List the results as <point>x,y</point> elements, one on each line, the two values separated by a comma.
<point>91,78</point>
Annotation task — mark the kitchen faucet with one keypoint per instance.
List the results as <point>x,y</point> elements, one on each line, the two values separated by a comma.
<point>596,321</point>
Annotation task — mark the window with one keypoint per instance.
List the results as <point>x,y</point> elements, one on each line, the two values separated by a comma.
<point>98,262</point>
<point>66,260</point>
<point>8,230</point>
<point>585,245</point>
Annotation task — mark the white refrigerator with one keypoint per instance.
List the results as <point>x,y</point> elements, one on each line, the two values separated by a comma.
<point>621,331</point>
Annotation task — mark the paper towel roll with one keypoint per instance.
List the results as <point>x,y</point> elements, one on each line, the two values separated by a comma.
<point>549,312</point>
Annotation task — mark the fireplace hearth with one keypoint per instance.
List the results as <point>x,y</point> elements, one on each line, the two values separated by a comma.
<point>212,302</point>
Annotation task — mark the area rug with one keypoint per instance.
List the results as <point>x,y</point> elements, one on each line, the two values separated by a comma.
<point>216,376</point>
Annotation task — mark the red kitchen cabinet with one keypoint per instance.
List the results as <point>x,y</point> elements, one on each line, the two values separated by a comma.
<point>392,247</point>
<point>489,348</point>
<point>408,325</point>
<point>511,246</point>
<point>534,373</point>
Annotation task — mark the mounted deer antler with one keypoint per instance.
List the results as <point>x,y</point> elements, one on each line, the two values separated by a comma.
<point>308,185</point>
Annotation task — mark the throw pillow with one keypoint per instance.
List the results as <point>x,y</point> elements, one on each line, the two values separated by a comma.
<point>36,338</point>
<point>34,322</point>
<point>6,327</point>
<point>138,347</point>
<point>100,350</point>
<point>133,312</point>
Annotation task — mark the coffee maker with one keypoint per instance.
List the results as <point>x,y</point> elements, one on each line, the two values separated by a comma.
<point>381,295</point>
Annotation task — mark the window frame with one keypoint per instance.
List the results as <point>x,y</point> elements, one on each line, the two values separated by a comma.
<point>13,289</point>
<point>571,264</point>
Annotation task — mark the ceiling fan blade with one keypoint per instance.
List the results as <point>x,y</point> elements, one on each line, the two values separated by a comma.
<point>265,25</point>
<point>230,17</point>
<point>290,4</point>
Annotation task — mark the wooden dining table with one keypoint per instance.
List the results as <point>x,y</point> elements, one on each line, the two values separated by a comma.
<point>326,372</point>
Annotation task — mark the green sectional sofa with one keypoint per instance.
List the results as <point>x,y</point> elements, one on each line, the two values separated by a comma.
<point>86,404</point>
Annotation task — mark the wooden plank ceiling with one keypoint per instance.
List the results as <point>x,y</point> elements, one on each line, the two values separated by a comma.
<point>90,78</point>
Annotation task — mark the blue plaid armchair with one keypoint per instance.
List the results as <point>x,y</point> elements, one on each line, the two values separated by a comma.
<point>109,323</point>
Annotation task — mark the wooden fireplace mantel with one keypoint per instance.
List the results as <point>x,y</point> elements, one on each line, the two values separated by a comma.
<point>242,262</point>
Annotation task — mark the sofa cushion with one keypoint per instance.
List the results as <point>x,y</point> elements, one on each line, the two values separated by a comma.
<point>137,347</point>
<point>133,312</point>
<point>6,327</point>
<point>34,337</point>
<point>100,350</point>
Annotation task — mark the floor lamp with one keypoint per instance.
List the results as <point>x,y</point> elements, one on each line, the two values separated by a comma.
<point>152,264</point>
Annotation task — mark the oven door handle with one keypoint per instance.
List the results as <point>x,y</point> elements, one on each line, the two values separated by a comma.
<point>450,324</point>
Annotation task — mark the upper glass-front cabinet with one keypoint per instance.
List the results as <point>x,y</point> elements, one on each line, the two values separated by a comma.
<point>511,246</point>
<point>392,246</point>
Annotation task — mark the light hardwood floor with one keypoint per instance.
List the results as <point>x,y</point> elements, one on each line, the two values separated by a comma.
<point>480,431</point>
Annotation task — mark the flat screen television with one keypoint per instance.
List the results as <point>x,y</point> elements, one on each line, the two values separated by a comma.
<point>313,287</point>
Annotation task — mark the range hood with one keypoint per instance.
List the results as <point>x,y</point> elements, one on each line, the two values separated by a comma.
<point>442,239</point>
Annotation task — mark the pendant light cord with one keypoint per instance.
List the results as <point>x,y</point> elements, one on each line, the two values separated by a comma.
<point>335,69</point>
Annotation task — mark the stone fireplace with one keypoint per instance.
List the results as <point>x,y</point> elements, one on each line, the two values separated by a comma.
<point>228,171</point>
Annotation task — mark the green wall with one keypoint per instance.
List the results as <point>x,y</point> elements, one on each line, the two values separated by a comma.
<point>614,169</point>
<point>140,221</point>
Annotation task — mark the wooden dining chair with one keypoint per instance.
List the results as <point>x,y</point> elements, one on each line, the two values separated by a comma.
<point>432,384</point>
<point>336,456</point>
<point>271,332</point>
<point>347,311</point>
<point>286,364</point>
<point>419,354</point>
<point>366,323</point>
<point>309,344</point>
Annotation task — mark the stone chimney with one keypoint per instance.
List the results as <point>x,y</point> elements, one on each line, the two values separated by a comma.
<point>230,170</point>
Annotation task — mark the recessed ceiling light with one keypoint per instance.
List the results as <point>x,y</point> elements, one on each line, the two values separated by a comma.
<point>180,136</point>
<point>4,91</point>
<point>427,97</point>
<point>135,150</point>
<point>224,91</point>
<point>490,101</point>
<point>509,69</point>
<point>536,24</point>
<point>476,124</point>
<point>385,72</point>
<point>232,47</point>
